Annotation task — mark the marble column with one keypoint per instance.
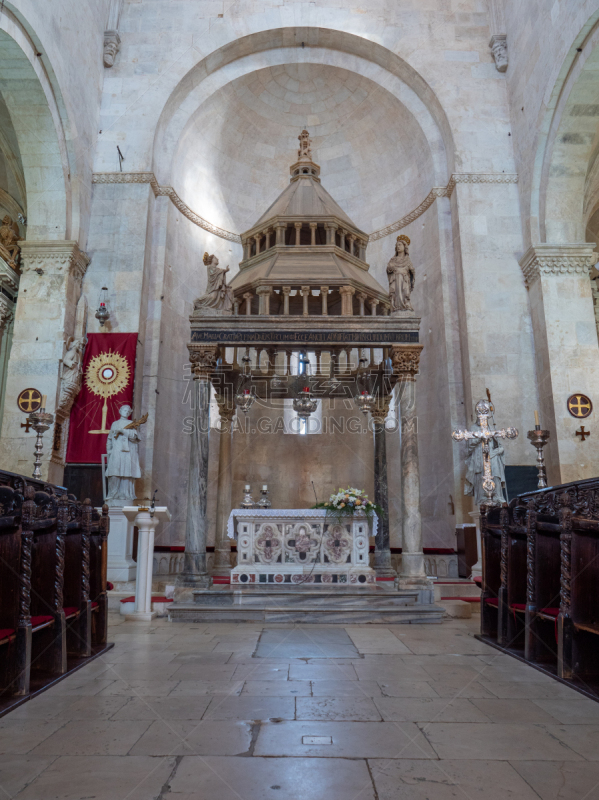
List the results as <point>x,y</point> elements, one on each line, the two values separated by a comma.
<point>382,552</point>
<point>195,574</point>
<point>222,550</point>
<point>405,359</point>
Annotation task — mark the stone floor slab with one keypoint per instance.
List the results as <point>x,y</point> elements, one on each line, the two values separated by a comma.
<point>520,710</point>
<point>337,708</point>
<point>279,688</point>
<point>498,742</point>
<point>448,780</point>
<point>428,709</point>
<point>284,779</point>
<point>93,738</point>
<point>248,707</point>
<point>192,688</point>
<point>208,738</point>
<point>100,778</point>
<point>20,737</point>
<point>349,740</point>
<point>166,708</point>
<point>346,688</point>
<point>561,780</point>
<point>313,672</point>
<point>16,772</point>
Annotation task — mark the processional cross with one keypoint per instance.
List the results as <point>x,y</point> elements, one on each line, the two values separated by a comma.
<point>485,435</point>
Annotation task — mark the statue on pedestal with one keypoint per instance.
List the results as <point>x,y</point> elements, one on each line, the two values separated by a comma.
<point>401,274</point>
<point>218,295</point>
<point>10,249</point>
<point>123,460</point>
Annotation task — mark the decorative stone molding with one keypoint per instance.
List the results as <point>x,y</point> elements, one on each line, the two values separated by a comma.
<point>203,358</point>
<point>165,191</point>
<point>6,313</point>
<point>54,257</point>
<point>498,45</point>
<point>435,192</point>
<point>112,45</point>
<point>406,360</point>
<point>9,279</point>
<point>557,259</point>
<point>443,191</point>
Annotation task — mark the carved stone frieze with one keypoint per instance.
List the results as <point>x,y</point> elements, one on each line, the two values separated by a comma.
<point>54,257</point>
<point>557,259</point>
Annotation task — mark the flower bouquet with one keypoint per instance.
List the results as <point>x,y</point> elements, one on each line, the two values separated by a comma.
<point>347,502</point>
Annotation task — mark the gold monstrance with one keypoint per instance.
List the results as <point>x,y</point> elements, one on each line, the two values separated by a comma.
<point>107,374</point>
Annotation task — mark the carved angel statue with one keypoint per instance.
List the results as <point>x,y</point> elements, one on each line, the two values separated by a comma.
<point>10,250</point>
<point>72,374</point>
<point>400,272</point>
<point>305,145</point>
<point>218,294</point>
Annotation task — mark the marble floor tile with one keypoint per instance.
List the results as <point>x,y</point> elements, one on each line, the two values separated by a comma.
<point>466,689</point>
<point>279,688</point>
<point>324,672</point>
<point>583,739</point>
<point>96,707</point>
<point>208,738</point>
<point>45,706</point>
<point>79,684</point>
<point>516,710</point>
<point>529,689</point>
<point>337,708</point>
<point>561,780</point>
<point>249,707</point>
<point>402,688</point>
<point>428,709</point>
<point>348,740</point>
<point>500,742</point>
<point>376,639</point>
<point>192,688</point>
<point>389,672</point>
<point>20,737</point>
<point>100,778</point>
<point>203,672</point>
<point>200,658</point>
<point>163,708</point>
<point>16,772</point>
<point>344,688</point>
<point>448,780</point>
<point>257,671</point>
<point>93,738</point>
<point>284,779</point>
<point>139,688</point>
<point>575,710</point>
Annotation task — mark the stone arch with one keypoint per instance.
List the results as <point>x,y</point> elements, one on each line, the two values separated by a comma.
<point>321,46</point>
<point>38,117</point>
<point>565,181</point>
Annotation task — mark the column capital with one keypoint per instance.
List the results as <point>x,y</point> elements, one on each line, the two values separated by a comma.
<point>381,409</point>
<point>314,224</point>
<point>406,359</point>
<point>346,290</point>
<point>263,290</point>
<point>286,289</point>
<point>544,259</point>
<point>226,408</point>
<point>305,290</point>
<point>54,257</point>
<point>203,358</point>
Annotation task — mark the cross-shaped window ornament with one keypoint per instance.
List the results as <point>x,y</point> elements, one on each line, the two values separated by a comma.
<point>582,433</point>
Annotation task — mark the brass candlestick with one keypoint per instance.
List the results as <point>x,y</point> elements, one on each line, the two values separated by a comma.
<point>538,440</point>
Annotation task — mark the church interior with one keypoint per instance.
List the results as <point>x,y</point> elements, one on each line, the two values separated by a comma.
<point>299,363</point>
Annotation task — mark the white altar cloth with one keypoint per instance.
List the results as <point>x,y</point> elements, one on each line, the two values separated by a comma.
<point>301,546</point>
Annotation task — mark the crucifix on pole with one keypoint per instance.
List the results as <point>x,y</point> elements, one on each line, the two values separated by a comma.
<point>485,435</point>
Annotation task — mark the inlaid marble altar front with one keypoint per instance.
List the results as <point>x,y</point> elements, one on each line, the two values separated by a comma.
<point>300,546</point>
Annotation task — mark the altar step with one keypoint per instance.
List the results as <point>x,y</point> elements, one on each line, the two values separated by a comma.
<point>346,607</point>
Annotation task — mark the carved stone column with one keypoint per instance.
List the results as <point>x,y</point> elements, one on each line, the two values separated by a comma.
<point>222,547</point>
<point>298,231</point>
<point>263,293</point>
<point>305,290</point>
<point>405,359</point>
<point>362,297</point>
<point>324,296</point>
<point>347,293</point>
<point>313,226</point>
<point>195,575</point>
<point>566,351</point>
<point>280,232</point>
<point>248,302</point>
<point>50,287</point>
<point>373,304</point>
<point>286,292</point>
<point>382,551</point>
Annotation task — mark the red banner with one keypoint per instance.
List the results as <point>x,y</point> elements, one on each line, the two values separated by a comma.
<point>108,373</point>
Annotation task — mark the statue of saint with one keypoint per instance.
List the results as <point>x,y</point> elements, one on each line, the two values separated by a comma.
<point>72,374</point>
<point>400,272</point>
<point>123,460</point>
<point>475,473</point>
<point>10,249</point>
<point>218,294</point>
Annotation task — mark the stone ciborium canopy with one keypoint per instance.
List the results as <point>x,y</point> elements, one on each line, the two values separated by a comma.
<point>304,285</point>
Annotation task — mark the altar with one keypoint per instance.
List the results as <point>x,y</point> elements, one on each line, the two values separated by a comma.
<point>300,547</point>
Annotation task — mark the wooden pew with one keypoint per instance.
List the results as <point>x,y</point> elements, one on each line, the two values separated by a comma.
<point>514,540</point>
<point>98,573</point>
<point>491,582</point>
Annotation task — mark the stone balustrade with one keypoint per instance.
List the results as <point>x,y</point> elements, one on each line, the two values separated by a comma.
<point>301,234</point>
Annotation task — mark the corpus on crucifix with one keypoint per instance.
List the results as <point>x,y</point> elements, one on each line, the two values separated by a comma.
<point>484,435</point>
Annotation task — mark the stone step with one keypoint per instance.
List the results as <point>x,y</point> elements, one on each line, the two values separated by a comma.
<point>327,613</point>
<point>447,589</point>
<point>307,598</point>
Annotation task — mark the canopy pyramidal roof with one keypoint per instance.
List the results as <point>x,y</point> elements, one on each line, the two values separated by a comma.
<point>305,237</point>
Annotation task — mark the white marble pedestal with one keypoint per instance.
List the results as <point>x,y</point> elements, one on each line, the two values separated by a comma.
<point>145,520</point>
<point>121,566</point>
